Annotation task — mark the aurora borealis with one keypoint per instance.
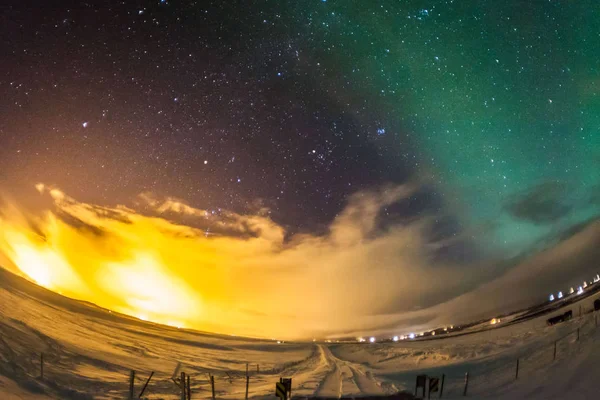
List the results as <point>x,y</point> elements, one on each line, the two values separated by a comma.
<point>399,142</point>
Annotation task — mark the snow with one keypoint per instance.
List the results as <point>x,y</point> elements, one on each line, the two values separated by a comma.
<point>89,352</point>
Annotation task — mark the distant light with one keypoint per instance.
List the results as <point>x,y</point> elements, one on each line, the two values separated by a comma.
<point>395,338</point>
<point>596,278</point>
<point>494,321</point>
<point>85,124</point>
<point>551,297</point>
<point>279,342</point>
<point>411,336</point>
<point>571,291</point>
<point>372,339</point>
<point>402,337</point>
<point>432,333</point>
<point>205,162</point>
<point>579,290</point>
<point>584,285</point>
<point>560,295</point>
<point>361,340</point>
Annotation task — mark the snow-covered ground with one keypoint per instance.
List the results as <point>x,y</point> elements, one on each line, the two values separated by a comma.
<point>89,352</point>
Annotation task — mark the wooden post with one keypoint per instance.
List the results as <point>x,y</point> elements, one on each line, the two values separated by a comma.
<point>131,385</point>
<point>189,388</point>
<point>466,383</point>
<point>146,385</point>
<point>247,385</point>
<point>517,372</point>
<point>428,389</point>
<point>416,386</point>
<point>442,386</point>
<point>182,385</point>
<point>212,386</point>
<point>578,334</point>
<point>42,366</point>
<point>554,359</point>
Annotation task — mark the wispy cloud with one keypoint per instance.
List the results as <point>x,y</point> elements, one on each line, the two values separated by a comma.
<point>222,271</point>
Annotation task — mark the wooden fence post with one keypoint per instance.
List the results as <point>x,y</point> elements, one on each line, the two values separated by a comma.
<point>182,386</point>
<point>146,385</point>
<point>466,383</point>
<point>212,386</point>
<point>189,388</point>
<point>442,388</point>
<point>247,385</point>
<point>428,389</point>
<point>131,383</point>
<point>517,372</point>
<point>42,366</point>
<point>554,359</point>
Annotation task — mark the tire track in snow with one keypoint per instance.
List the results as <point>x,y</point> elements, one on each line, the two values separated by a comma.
<point>345,378</point>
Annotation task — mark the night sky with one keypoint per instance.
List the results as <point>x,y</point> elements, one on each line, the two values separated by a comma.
<point>489,108</point>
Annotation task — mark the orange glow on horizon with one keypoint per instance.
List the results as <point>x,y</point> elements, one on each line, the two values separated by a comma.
<point>247,281</point>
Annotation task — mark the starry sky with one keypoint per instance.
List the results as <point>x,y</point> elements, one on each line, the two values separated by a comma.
<point>291,109</point>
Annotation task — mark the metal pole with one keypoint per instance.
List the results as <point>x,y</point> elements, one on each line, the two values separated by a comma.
<point>42,365</point>
<point>442,388</point>
<point>212,386</point>
<point>466,383</point>
<point>247,384</point>
<point>554,359</point>
<point>131,379</point>
<point>146,385</point>
<point>517,373</point>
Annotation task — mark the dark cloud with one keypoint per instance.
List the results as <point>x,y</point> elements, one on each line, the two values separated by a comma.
<point>107,213</point>
<point>541,204</point>
<point>79,224</point>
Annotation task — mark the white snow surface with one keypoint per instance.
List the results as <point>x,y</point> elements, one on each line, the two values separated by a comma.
<point>89,352</point>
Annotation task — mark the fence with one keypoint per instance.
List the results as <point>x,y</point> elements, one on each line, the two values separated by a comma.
<point>148,385</point>
<point>465,379</point>
<point>478,378</point>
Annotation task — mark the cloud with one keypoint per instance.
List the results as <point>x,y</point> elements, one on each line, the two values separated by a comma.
<point>217,270</point>
<point>541,204</point>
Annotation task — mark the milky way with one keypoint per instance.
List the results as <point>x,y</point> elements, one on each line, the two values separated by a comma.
<point>490,108</point>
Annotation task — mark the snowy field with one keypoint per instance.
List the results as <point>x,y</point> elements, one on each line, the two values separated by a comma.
<point>89,353</point>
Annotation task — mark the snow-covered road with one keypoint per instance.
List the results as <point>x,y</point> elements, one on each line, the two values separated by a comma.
<point>90,351</point>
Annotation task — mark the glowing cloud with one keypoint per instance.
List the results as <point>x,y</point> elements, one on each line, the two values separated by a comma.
<point>359,277</point>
